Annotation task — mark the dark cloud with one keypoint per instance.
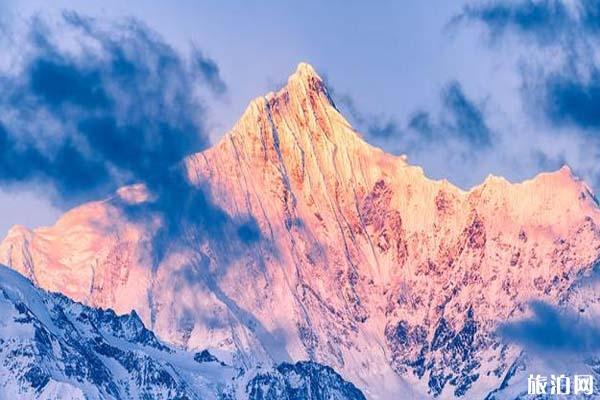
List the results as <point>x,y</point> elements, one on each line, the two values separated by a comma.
<point>93,107</point>
<point>466,118</point>
<point>545,21</point>
<point>554,330</point>
<point>119,109</point>
<point>567,93</point>
<point>208,71</point>
<point>67,167</point>
<point>569,99</point>
<point>461,119</point>
<point>384,129</point>
<point>421,122</point>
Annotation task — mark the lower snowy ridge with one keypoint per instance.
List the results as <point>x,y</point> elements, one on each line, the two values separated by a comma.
<point>54,348</point>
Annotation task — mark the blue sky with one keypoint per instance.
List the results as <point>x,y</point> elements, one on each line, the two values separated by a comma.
<point>464,89</point>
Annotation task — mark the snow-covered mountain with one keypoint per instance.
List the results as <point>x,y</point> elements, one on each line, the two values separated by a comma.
<point>361,262</point>
<point>54,348</point>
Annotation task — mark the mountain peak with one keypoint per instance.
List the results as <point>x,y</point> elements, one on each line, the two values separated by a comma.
<point>300,108</point>
<point>356,249</point>
<point>304,86</point>
<point>305,71</point>
<point>304,83</point>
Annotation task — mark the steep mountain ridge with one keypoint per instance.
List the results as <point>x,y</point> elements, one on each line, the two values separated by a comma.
<point>395,280</point>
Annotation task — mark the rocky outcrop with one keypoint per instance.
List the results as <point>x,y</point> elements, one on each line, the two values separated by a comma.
<point>302,380</point>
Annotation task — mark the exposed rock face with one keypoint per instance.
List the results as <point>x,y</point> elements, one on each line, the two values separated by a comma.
<point>364,264</point>
<point>303,380</point>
